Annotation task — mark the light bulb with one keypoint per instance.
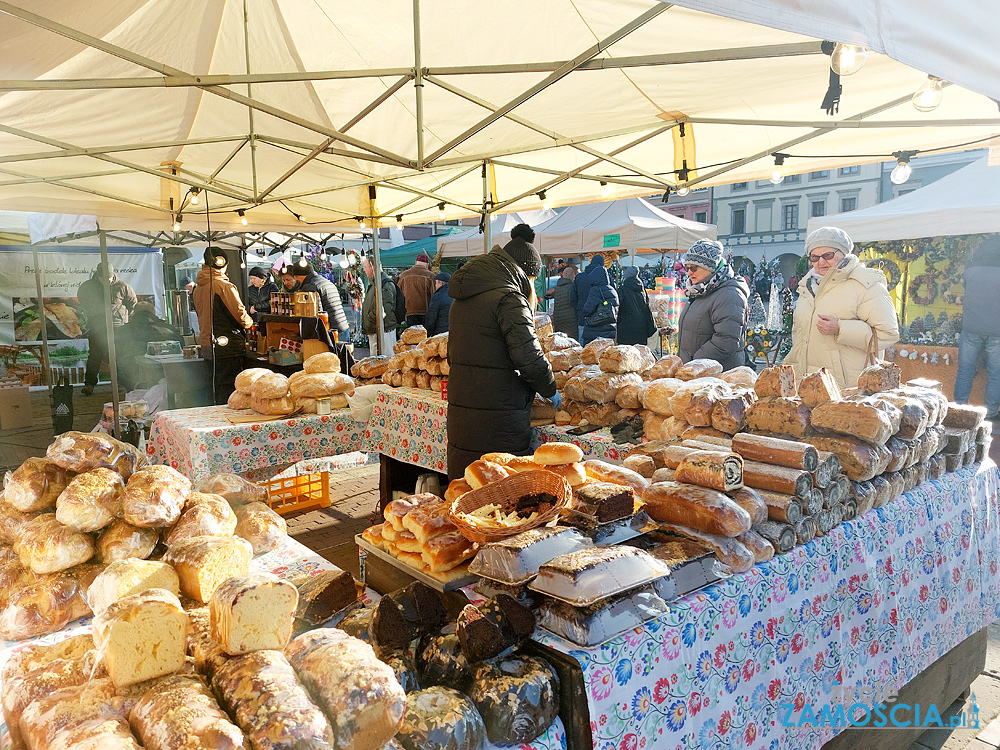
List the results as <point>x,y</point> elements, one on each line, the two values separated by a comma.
<point>847,59</point>
<point>343,262</point>
<point>361,222</point>
<point>301,217</point>
<point>194,196</point>
<point>222,341</point>
<point>604,190</point>
<point>243,264</point>
<point>928,97</point>
<point>546,205</point>
<point>681,191</point>
<point>440,211</point>
<point>399,223</point>
<point>243,217</point>
<point>322,255</point>
<point>901,173</point>
<point>776,176</point>
<point>177,224</point>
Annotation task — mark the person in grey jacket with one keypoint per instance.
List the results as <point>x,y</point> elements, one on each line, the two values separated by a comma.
<point>713,322</point>
<point>981,326</point>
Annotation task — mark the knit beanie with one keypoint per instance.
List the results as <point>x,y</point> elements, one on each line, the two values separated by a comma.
<point>215,257</point>
<point>630,271</point>
<point>523,252</point>
<point>704,253</point>
<point>834,237</point>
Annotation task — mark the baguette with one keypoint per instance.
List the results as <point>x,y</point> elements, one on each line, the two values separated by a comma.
<point>781,507</point>
<point>602,471</point>
<point>730,552</point>
<point>696,507</point>
<point>769,450</point>
<point>751,501</point>
<point>780,535</point>
<point>776,478</point>
<point>805,530</point>
<point>718,470</point>
<point>761,549</point>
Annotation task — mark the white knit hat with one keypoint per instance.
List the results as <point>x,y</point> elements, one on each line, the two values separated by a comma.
<point>834,237</point>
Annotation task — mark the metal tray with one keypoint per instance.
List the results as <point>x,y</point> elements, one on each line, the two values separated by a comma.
<point>418,574</point>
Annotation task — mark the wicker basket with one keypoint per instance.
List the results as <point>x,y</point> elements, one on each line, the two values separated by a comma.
<point>505,493</point>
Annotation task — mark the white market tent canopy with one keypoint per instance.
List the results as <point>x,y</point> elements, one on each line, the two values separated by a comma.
<point>629,224</point>
<point>470,242</point>
<point>306,109</point>
<point>967,201</point>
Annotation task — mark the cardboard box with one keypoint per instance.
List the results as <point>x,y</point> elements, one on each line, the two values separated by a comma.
<point>15,408</point>
<point>284,357</point>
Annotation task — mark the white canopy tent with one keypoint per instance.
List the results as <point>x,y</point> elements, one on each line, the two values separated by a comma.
<point>299,115</point>
<point>967,201</point>
<point>471,242</point>
<point>629,224</point>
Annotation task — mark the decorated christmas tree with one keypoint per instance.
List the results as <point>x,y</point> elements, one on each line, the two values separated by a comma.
<point>758,316</point>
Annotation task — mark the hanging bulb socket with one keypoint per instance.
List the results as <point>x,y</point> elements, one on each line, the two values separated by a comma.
<point>544,199</point>
<point>682,190</point>
<point>929,96</point>
<point>901,173</point>
<point>194,196</point>
<point>777,175</point>
<point>399,222</point>
<point>604,190</point>
<point>177,222</point>
<point>301,218</point>
<point>441,211</point>
<point>243,217</point>
<point>847,59</point>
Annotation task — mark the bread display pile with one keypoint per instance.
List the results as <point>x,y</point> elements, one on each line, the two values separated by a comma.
<point>369,371</point>
<point>419,361</point>
<point>273,394</point>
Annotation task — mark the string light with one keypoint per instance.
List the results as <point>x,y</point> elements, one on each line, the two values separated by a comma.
<point>441,211</point>
<point>542,197</point>
<point>301,218</point>
<point>604,190</point>
<point>682,176</point>
<point>683,190</point>
<point>777,175</point>
<point>344,263</point>
<point>928,97</point>
<point>847,59</point>
<point>903,170</point>
<point>399,222</point>
<point>194,196</point>
<point>243,217</point>
<point>361,221</point>
<point>177,222</point>
<point>322,254</point>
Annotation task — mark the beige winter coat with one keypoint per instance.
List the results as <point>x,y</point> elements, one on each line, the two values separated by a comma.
<point>858,298</point>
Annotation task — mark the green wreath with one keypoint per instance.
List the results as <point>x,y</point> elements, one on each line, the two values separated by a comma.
<point>918,282</point>
<point>891,270</point>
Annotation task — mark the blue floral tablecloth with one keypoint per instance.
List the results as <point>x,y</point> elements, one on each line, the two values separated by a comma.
<point>848,618</point>
<point>410,425</point>
<point>200,442</point>
<point>596,444</point>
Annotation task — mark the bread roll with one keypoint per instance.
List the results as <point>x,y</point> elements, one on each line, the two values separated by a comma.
<point>122,540</point>
<point>698,368</point>
<point>322,362</point>
<point>819,388</point>
<point>445,552</point>
<point>656,396</point>
<point>740,376</point>
<point>320,384</point>
<point>771,450</point>
<point>776,382</point>
<point>718,470</point>
<point>269,385</point>
<point>239,400</point>
<point>261,526</point>
<point>47,546</point>
<point>426,521</point>
<point>83,451</point>
<point>591,353</point>
<point>35,485</point>
<point>246,379</point>
<point>203,515</point>
<point>573,473</point>
<point>695,507</point>
<point>91,500</point>
<point>730,551</point>
<point>204,562</point>
<point>396,510</point>
<point>181,712</point>
<point>252,613</point>
<point>127,577</point>
<point>557,453</point>
<point>602,471</point>
<point>480,473</point>
<point>456,488</point>
<point>154,497</point>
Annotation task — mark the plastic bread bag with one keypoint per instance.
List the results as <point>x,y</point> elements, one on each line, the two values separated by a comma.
<point>589,626</point>
<point>261,526</point>
<point>441,661</point>
<point>363,400</point>
<point>42,607</point>
<point>35,485</point>
<point>83,451</point>
<point>595,573</point>
<point>11,521</point>
<point>233,488</point>
<point>517,559</point>
<point>518,698</point>
<point>47,546</point>
<point>440,718</point>
<point>155,496</point>
<point>91,501</point>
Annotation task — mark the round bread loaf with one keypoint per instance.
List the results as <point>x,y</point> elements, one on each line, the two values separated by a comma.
<point>246,378</point>
<point>573,473</point>
<point>414,335</point>
<point>553,454</point>
<point>269,385</point>
<point>319,384</point>
<point>480,473</point>
<point>273,406</point>
<point>239,400</point>
<point>322,362</point>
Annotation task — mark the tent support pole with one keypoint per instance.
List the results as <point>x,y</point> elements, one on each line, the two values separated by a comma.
<point>418,83</point>
<point>110,331</point>
<point>46,372</point>
<point>487,230</point>
<point>377,281</point>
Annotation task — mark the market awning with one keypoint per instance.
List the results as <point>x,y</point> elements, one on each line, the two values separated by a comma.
<point>405,256</point>
<point>471,241</point>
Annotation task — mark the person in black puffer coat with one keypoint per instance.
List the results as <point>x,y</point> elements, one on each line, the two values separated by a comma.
<point>581,290</point>
<point>497,364</point>
<point>601,295</point>
<point>635,321</point>
<point>329,297</point>
<point>563,310</point>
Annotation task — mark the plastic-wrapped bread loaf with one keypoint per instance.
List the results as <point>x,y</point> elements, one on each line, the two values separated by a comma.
<point>83,451</point>
<point>204,562</point>
<point>818,388</point>
<point>203,515</point>
<point>698,368</point>
<point>591,353</point>
<point>122,540</point>
<point>88,716</point>
<point>643,465</point>
<point>127,577</point>
<point>740,376</point>
<point>154,497</point>
<point>914,416</point>
<point>35,485</point>
<point>602,471</point>
<point>751,501</point>
<point>629,397</point>
<point>769,450</point>
<point>729,412</point>
<point>776,478</point>
<point>665,367</point>
<point>11,522</point>
<point>776,382</point>
<point>518,698</point>
<point>441,717</point>
<point>359,693</point>
<point>730,551</point>
<point>206,654</point>
<point>881,376</point>
<point>270,705</point>
<point>866,420</point>
<point>252,613</point>
<point>781,507</point>
<point>557,341</point>
<point>91,500</point>
<point>563,360</point>
<point>371,367</point>
<point>235,489</point>
<point>761,548</point>
<point>621,358</point>
<point>657,395</point>
<point>268,386</point>
<point>239,401</point>
<point>181,712</point>
<point>604,388</point>
<point>47,546</point>
<point>273,406</point>
<point>142,636</point>
<point>323,595</point>
<point>319,384</point>
<point>718,470</point>
<point>698,411</point>
<point>695,507</point>
<point>43,605</point>
<point>782,416</point>
<point>261,526</point>
<point>860,461</point>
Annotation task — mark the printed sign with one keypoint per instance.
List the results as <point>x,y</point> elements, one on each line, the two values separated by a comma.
<point>612,240</point>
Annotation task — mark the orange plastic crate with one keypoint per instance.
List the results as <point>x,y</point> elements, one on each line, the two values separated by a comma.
<point>299,493</point>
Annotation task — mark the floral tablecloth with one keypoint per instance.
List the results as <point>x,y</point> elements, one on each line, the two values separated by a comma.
<point>199,442</point>
<point>410,425</point>
<point>848,618</point>
<point>596,444</point>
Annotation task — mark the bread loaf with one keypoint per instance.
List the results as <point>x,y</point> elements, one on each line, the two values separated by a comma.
<point>751,501</point>
<point>682,395</point>
<point>914,416</point>
<point>776,478</point>
<point>881,376</point>
<point>729,550</point>
<point>698,368</point>
<point>591,353</point>
<point>268,386</point>
<point>695,507</point>
<point>40,605</point>
<point>261,526</point>
<point>270,705</point>
<point>323,595</point>
<point>621,358</point>
<point>604,388</point>
<point>480,473</point>
<point>642,465</point>
<point>11,522</point>
<point>128,577</point>
<point>47,546</point>
<point>729,412</point>
<point>252,613</point>
<point>203,515</point>
<point>320,384</point>
<point>818,387</point>
<point>865,420</point>
<point>782,416</point>
<point>246,379</point>
<point>142,636</point>
<point>87,715</point>
<point>154,497</point>
<point>274,407</point>
<point>322,362</point>
<point>700,433</point>
<point>239,401</point>
<point>698,411</point>
<point>91,500</point>
<point>629,396</point>
<point>235,489</point>
<point>413,335</point>
<point>602,471</point>
<point>860,461</point>
<point>35,485</point>
<point>359,693</point>
<point>181,712</point>
<point>776,451</point>
<point>718,470</point>
<point>204,562</point>
<point>781,536</point>
<point>665,367</point>
<point>776,382</point>
<point>740,376</point>
<point>83,451</point>
<point>761,549</point>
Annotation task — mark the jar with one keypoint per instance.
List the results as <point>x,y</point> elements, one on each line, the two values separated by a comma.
<point>322,406</point>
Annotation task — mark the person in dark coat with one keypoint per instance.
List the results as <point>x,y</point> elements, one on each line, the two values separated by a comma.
<point>581,290</point>
<point>602,296</point>
<point>143,327</point>
<point>497,364</point>
<point>713,322</point>
<point>93,299</point>
<point>259,293</point>
<point>563,310</point>
<point>436,317</point>
<point>329,297</point>
<point>635,320</point>
<point>981,327</point>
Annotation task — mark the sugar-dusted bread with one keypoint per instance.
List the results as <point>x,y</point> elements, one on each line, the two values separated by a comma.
<point>87,716</point>
<point>269,385</point>
<point>319,384</point>
<point>122,540</point>
<point>154,497</point>
<point>204,514</point>
<point>91,500</point>
<point>127,577</point>
<point>204,562</point>
<point>246,378</point>
<point>180,712</point>
<point>35,485</point>
<point>253,613</point>
<point>239,400</point>
<point>46,546</point>
<point>260,526</point>
<point>142,636</point>
<point>322,362</point>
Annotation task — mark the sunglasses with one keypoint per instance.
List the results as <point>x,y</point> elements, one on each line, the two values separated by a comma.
<point>691,269</point>
<point>814,259</point>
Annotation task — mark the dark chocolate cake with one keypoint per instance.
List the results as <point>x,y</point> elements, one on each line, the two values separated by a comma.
<point>605,501</point>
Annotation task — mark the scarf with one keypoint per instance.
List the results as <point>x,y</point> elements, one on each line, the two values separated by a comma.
<point>710,284</point>
<point>813,280</point>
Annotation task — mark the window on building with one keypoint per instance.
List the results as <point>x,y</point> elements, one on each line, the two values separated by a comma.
<point>848,204</point>
<point>762,218</point>
<point>739,221</point>
<point>819,175</point>
<point>848,170</point>
<point>793,179</point>
<point>790,216</point>
<point>739,186</point>
<point>818,208</point>
<point>701,216</point>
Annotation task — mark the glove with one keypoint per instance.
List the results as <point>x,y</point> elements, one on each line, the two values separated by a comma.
<point>556,400</point>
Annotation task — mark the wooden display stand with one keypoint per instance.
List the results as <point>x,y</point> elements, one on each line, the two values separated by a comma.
<point>915,368</point>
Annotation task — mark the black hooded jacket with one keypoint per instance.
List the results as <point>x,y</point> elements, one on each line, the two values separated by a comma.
<point>496,362</point>
<point>329,299</point>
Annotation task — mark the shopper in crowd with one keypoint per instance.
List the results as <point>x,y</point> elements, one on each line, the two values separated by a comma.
<point>223,322</point>
<point>131,340</point>
<point>981,327</point>
<point>563,311</point>
<point>95,301</point>
<point>436,318</point>
<point>326,290</point>
<point>581,290</point>
<point>259,293</point>
<point>497,364</point>
<point>289,283</point>
<point>842,307</point>
<point>417,284</point>
<point>369,318</point>
<point>600,310</point>
<point>712,324</point>
<point>635,319</point>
